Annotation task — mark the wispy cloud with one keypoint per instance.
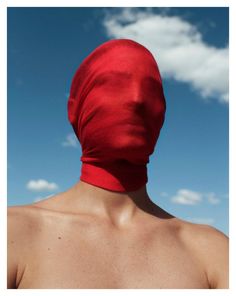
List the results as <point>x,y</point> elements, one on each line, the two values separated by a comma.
<point>178,47</point>
<point>41,185</point>
<point>71,141</point>
<point>189,197</point>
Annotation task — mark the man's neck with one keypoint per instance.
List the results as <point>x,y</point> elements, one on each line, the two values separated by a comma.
<point>118,207</point>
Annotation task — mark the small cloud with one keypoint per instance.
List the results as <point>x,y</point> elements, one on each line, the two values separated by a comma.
<point>41,185</point>
<point>199,220</point>
<point>187,197</point>
<point>212,199</point>
<point>71,141</point>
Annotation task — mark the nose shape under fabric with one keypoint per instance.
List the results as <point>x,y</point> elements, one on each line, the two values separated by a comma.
<point>137,98</point>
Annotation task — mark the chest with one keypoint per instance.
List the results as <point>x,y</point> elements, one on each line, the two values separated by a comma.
<point>103,260</point>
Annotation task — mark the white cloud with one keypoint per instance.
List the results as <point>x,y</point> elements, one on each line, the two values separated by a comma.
<point>187,197</point>
<point>71,141</point>
<point>41,185</point>
<point>178,48</point>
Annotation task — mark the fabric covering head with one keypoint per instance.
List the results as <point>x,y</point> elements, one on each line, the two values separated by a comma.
<point>117,108</point>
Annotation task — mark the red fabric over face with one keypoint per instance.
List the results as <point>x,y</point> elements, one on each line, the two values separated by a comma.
<point>117,108</point>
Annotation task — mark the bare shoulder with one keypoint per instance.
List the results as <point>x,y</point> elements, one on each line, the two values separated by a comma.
<point>24,220</point>
<point>202,233</point>
<point>21,221</point>
<point>211,247</point>
<point>21,227</point>
<point>21,218</point>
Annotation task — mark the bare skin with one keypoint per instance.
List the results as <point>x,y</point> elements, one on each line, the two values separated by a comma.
<point>88,237</point>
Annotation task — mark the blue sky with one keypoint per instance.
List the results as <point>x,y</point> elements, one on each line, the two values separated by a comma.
<point>188,172</point>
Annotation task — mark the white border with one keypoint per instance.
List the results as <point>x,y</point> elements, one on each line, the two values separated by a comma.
<point>3,119</point>
<point>117,3</point>
<point>232,147</point>
<point>3,147</point>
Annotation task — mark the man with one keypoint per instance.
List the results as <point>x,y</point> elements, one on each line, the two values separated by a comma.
<point>105,232</point>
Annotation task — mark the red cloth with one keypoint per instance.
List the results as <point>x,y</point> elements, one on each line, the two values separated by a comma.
<point>117,108</point>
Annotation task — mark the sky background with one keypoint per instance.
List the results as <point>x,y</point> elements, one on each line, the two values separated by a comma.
<point>188,172</point>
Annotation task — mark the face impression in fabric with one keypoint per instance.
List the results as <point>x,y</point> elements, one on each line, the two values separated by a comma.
<point>120,103</point>
<point>125,100</point>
